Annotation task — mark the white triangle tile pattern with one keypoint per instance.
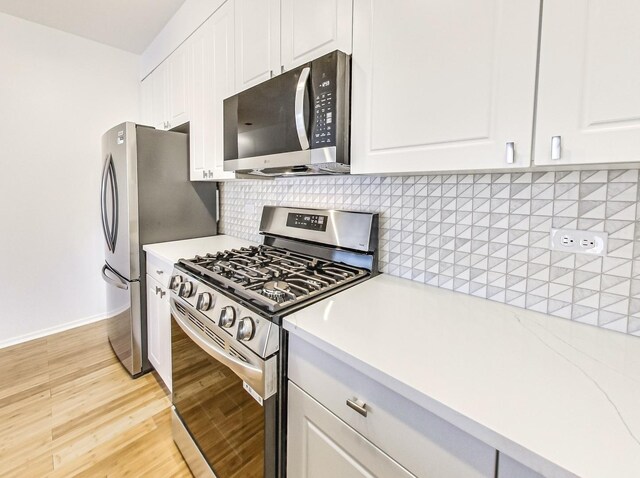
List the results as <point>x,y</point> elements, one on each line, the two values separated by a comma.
<point>484,234</point>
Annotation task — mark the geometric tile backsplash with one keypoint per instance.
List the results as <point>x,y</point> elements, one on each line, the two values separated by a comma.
<point>484,234</point>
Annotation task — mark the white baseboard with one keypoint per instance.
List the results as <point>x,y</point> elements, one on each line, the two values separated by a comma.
<point>55,329</point>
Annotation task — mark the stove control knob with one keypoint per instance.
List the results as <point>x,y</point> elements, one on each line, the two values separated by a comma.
<point>246,329</point>
<point>186,289</point>
<point>205,301</point>
<point>227,317</point>
<point>175,282</point>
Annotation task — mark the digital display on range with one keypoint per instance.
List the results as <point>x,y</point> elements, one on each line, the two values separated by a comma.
<point>313,222</point>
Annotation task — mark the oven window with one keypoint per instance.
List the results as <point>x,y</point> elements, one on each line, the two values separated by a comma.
<point>224,420</point>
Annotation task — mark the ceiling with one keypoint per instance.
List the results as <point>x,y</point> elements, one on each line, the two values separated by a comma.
<point>126,24</point>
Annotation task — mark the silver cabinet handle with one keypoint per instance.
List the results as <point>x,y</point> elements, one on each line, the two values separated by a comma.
<point>301,125</point>
<point>162,293</point>
<point>159,272</point>
<point>204,175</point>
<point>357,405</point>
<point>556,147</point>
<point>510,152</point>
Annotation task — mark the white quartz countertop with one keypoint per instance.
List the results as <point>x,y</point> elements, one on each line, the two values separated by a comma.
<point>174,250</point>
<point>546,391</point>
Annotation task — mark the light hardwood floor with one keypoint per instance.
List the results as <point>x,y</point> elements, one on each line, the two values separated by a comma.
<point>69,409</point>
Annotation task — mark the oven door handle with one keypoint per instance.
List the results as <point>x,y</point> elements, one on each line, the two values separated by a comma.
<point>251,374</point>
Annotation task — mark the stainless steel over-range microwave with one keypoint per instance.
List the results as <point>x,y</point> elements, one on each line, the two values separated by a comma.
<point>295,123</point>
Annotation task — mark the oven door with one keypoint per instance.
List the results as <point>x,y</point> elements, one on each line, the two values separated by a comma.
<point>234,433</point>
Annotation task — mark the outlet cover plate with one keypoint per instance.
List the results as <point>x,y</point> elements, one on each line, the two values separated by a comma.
<point>581,242</point>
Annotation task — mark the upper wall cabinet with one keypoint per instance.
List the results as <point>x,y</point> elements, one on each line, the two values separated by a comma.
<point>312,28</point>
<point>257,45</point>
<point>166,87</point>
<point>589,84</point>
<point>441,86</point>
<point>212,80</point>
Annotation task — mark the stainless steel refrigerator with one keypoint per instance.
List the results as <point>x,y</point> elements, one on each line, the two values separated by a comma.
<point>146,197</point>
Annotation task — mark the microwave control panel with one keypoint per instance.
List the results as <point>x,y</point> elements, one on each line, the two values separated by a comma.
<point>324,106</point>
<point>324,88</point>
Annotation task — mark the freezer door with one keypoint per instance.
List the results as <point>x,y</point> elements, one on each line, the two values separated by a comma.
<point>119,200</point>
<point>124,327</point>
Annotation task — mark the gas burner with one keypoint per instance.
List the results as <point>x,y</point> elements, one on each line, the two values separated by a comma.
<point>272,277</point>
<point>276,290</point>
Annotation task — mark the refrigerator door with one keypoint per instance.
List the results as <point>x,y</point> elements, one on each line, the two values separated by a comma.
<point>124,326</point>
<point>119,200</point>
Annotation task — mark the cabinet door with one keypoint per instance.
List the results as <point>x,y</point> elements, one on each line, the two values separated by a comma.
<point>159,329</point>
<point>319,444</point>
<point>312,28</point>
<point>177,96</point>
<point>212,80</point>
<point>441,86</point>
<point>159,83</point>
<point>146,101</point>
<point>257,25</point>
<point>589,84</point>
<point>510,468</point>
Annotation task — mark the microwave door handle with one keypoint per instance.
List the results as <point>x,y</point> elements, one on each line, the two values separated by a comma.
<point>301,124</point>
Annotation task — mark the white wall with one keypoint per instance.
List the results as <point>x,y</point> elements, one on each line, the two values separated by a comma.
<point>58,94</point>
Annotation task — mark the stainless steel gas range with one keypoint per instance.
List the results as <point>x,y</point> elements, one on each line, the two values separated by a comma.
<point>228,350</point>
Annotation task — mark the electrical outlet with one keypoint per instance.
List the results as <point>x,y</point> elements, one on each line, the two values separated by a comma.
<point>585,242</point>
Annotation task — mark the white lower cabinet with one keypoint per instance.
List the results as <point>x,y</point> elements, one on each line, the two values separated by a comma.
<point>321,445</point>
<point>159,329</point>
<point>510,468</point>
<point>327,437</point>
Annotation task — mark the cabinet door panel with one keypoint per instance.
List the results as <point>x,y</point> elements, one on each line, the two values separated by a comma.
<point>589,92</point>
<point>257,26</point>
<point>177,95</point>
<point>211,81</point>
<point>321,445</point>
<point>442,86</point>
<point>146,101</point>
<point>153,329</point>
<point>312,28</point>
<point>159,82</point>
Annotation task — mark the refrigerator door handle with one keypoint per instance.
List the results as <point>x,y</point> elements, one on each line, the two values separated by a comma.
<point>113,182</point>
<point>117,282</point>
<point>103,201</point>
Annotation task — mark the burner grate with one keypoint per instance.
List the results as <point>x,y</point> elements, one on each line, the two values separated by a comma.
<point>273,278</point>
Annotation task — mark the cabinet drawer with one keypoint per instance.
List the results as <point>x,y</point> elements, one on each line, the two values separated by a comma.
<point>418,440</point>
<point>159,269</point>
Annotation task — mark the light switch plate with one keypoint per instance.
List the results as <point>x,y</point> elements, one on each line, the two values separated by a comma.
<point>582,242</point>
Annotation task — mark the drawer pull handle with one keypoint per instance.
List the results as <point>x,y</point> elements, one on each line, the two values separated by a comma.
<point>159,271</point>
<point>357,405</point>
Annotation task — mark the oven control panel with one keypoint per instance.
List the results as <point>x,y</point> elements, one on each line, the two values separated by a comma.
<point>224,317</point>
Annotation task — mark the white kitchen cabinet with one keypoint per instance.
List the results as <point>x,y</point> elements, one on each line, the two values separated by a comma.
<point>319,444</point>
<point>146,102</point>
<point>589,83</point>
<point>422,443</point>
<point>212,80</point>
<point>159,329</point>
<point>257,25</point>
<point>312,28</point>
<point>441,86</point>
<point>168,97</point>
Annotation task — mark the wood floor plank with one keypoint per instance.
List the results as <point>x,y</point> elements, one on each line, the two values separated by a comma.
<point>69,409</point>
